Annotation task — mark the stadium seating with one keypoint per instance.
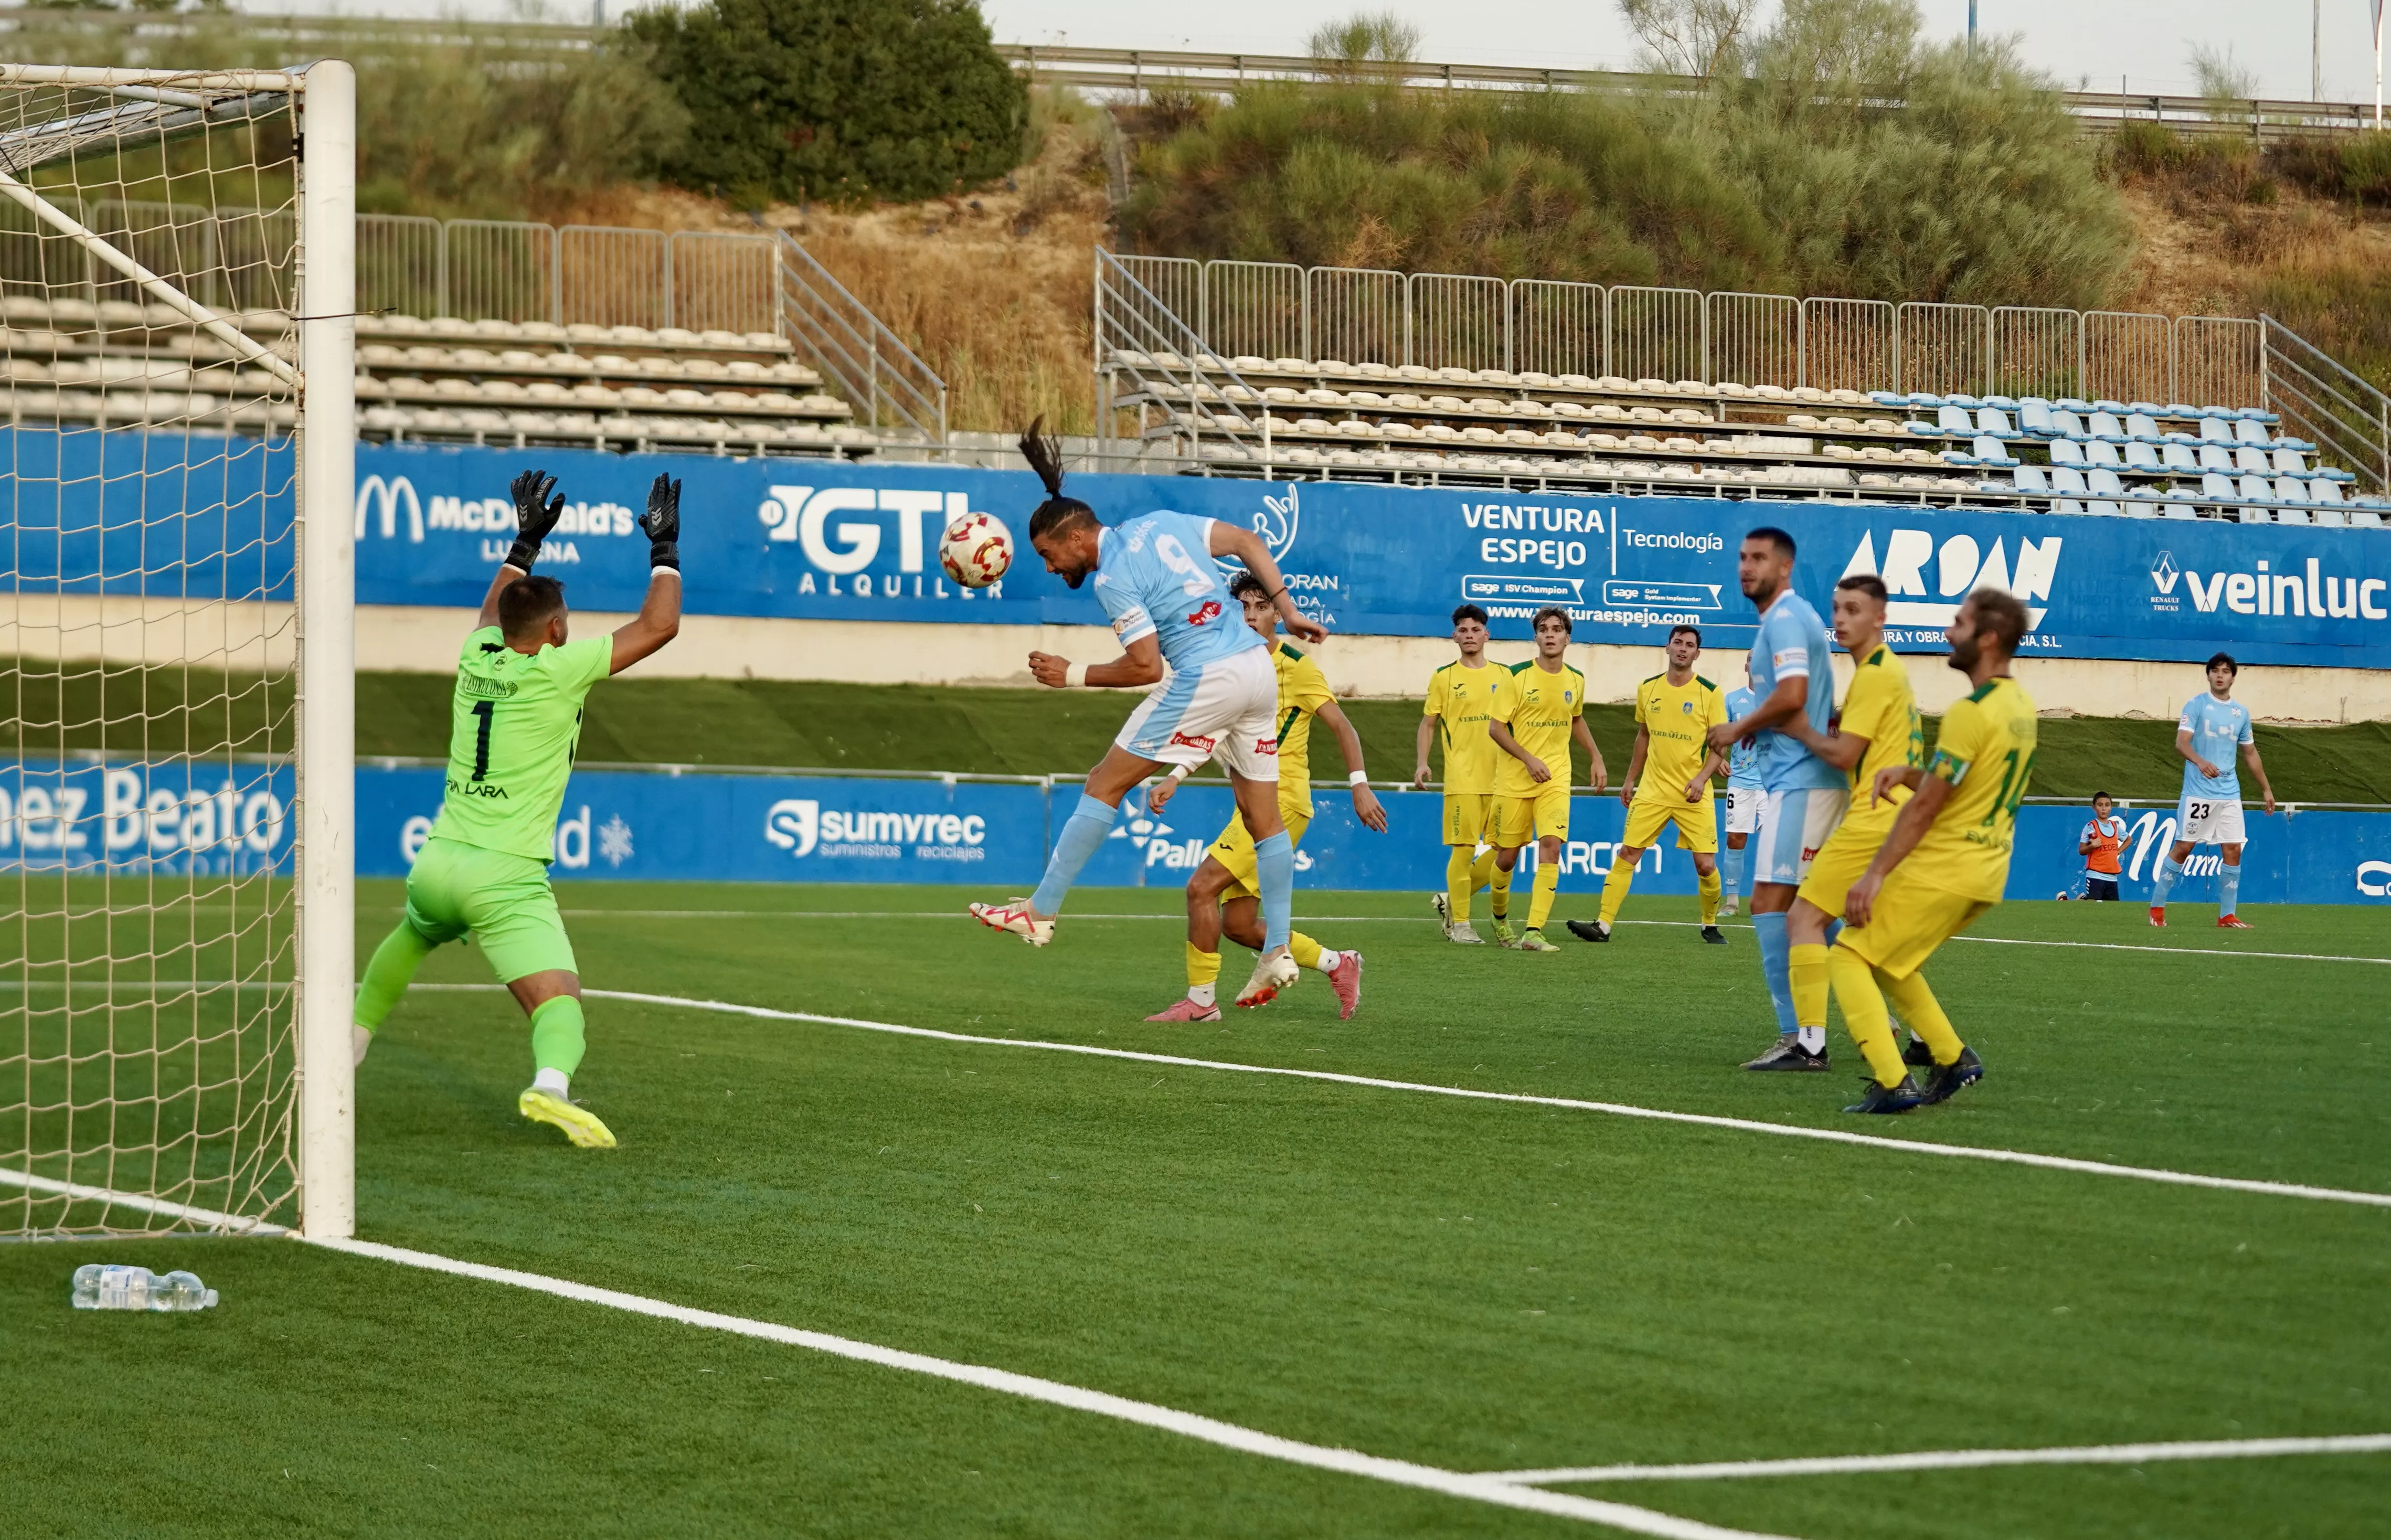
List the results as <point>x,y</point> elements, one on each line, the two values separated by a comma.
<point>2142,458</point>
<point>482,381</point>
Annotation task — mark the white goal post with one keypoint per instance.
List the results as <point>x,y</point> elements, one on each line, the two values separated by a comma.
<point>177,474</point>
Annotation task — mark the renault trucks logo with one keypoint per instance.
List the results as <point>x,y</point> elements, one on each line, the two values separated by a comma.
<point>2164,572</point>
<point>803,827</point>
<point>2306,590</point>
<point>1927,580</point>
<point>844,530</point>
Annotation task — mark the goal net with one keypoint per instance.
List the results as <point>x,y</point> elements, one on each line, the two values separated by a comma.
<point>176,655</point>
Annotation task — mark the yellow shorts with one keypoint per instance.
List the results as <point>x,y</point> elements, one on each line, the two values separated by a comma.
<point>1524,820</point>
<point>1910,919</point>
<point>1234,849</point>
<point>1696,823</point>
<point>1467,817</point>
<point>1840,862</point>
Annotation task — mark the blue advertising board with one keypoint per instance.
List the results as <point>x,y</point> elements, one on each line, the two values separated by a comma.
<point>823,540</point>
<point>202,818</point>
<point>192,516</point>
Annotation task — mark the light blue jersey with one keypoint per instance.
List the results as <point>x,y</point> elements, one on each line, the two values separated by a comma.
<point>2217,729</point>
<point>1156,576</point>
<point>1792,644</point>
<point>1742,763</point>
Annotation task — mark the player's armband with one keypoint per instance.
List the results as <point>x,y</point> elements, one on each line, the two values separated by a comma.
<point>1947,765</point>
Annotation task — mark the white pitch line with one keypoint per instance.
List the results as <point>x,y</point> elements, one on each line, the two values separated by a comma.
<point>1962,1459</point>
<point>1227,1435</point>
<point>1621,1109</point>
<point>1412,920</point>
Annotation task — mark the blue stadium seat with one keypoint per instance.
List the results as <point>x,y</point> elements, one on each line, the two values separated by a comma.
<point>2217,485</point>
<point>2257,489</point>
<point>2250,457</point>
<point>2066,451</point>
<point>1989,452</point>
<point>1993,420</point>
<point>2033,417</point>
<point>2179,457</point>
<point>2003,402</point>
<point>2256,414</point>
<point>1968,402</point>
<point>2288,462</point>
<point>2143,426</point>
<point>1888,398</point>
<point>2247,430</point>
<point>2070,404</point>
<point>2066,479</point>
<point>2332,472</point>
<point>2177,409</point>
<point>2323,493</point>
<point>2066,425</point>
<point>2216,430</point>
<point>2101,452</point>
<point>1954,419</point>
<point>2030,478</point>
<point>2103,483</point>
<point>2181,502</point>
<point>2291,489</point>
<point>2148,408</point>
<point>2215,456</point>
<point>2144,456</point>
<point>1925,399</point>
<point>2105,424</point>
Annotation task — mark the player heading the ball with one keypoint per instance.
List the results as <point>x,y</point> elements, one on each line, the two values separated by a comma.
<point>1159,579</point>
<point>521,679</point>
<point>2211,727</point>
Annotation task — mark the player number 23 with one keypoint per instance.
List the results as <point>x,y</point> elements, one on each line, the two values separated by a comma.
<point>2199,810</point>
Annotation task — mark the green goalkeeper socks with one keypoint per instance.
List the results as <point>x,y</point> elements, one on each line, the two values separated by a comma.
<point>387,974</point>
<point>556,1035</point>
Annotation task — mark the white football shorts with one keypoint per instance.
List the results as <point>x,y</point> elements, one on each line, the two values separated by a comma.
<point>2208,819</point>
<point>1226,710</point>
<point>1743,808</point>
<point>1792,826</point>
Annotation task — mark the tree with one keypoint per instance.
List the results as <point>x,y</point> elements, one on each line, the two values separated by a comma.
<point>1689,37</point>
<point>838,99</point>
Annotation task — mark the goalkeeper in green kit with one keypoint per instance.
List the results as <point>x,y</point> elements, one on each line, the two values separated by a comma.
<point>517,721</point>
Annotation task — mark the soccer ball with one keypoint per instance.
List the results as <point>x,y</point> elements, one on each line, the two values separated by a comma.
<point>976,549</point>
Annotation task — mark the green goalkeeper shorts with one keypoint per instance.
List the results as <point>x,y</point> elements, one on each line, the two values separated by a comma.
<point>503,899</point>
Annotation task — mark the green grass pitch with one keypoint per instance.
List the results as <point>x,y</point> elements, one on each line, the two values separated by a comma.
<point>1477,1286</point>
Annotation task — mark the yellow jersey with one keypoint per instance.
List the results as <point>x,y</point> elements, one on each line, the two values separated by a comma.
<point>1461,697</point>
<point>1676,719</point>
<point>1303,690</point>
<point>1986,751</point>
<point>1882,709</point>
<point>1538,706</point>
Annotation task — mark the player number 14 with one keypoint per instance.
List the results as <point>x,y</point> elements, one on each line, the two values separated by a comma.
<point>2014,779</point>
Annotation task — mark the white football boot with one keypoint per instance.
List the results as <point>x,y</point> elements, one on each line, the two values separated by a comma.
<point>1015,918</point>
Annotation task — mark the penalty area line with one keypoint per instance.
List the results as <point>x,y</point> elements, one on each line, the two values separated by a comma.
<point>1963,1459</point>
<point>1226,1435</point>
<point>1617,1110</point>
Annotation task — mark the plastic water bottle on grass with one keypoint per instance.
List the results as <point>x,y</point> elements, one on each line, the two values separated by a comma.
<point>99,1285</point>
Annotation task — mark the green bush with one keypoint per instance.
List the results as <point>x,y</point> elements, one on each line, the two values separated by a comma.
<point>1794,178</point>
<point>843,100</point>
<point>2355,166</point>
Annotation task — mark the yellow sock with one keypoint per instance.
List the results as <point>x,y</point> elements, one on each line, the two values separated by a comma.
<point>1548,882</point>
<point>1922,1014</point>
<point>1499,881</point>
<point>1709,887</point>
<point>1303,949</point>
<point>1805,969</point>
<point>1203,967</point>
<point>1864,1015</point>
<point>1614,889</point>
<point>1458,884</point>
<point>1482,871</point>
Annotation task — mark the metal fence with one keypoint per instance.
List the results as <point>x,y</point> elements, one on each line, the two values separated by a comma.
<point>229,259</point>
<point>894,393</point>
<point>1367,315</point>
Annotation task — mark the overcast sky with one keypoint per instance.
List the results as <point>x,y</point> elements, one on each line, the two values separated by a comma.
<point>2083,41</point>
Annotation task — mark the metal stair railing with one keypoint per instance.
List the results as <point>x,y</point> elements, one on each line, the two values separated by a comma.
<point>1150,360</point>
<point>893,390</point>
<point>2327,402</point>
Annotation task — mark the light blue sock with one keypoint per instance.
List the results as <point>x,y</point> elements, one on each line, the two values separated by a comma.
<point>2161,880</point>
<point>1731,870</point>
<point>1274,873</point>
<point>1082,833</point>
<point>1834,928</point>
<point>1776,952</point>
<point>2228,889</point>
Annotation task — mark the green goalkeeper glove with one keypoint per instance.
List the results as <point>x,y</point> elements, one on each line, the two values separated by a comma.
<point>662,522</point>
<point>534,516</point>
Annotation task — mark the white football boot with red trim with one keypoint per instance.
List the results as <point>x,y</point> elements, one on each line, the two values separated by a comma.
<point>1271,974</point>
<point>1013,917</point>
